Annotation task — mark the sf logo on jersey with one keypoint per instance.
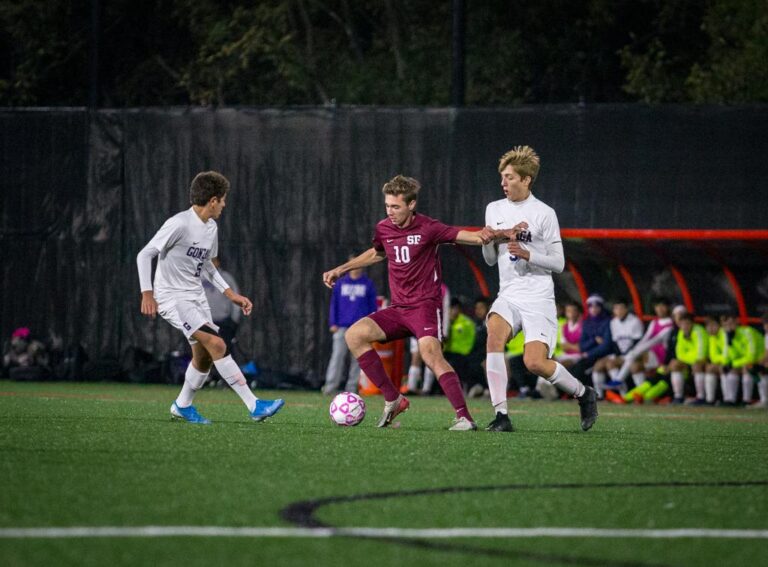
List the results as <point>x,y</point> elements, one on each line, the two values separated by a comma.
<point>403,253</point>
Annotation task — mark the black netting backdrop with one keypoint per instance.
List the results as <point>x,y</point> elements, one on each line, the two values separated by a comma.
<point>83,191</point>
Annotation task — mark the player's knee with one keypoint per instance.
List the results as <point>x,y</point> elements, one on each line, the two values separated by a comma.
<point>217,348</point>
<point>354,338</point>
<point>495,343</point>
<point>535,364</point>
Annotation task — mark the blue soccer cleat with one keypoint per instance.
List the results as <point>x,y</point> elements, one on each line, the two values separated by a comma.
<point>188,414</point>
<point>265,409</point>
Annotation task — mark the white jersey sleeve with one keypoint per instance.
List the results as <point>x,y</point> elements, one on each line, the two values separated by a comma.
<point>210,271</point>
<point>490,251</point>
<point>168,235</point>
<point>553,258</point>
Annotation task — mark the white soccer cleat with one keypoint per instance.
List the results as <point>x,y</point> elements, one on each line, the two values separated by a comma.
<point>463,424</point>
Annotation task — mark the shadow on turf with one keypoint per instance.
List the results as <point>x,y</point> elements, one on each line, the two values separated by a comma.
<point>302,514</point>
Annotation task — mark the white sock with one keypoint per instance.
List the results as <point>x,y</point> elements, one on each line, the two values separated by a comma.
<point>710,387</point>
<point>566,382</point>
<point>414,377</point>
<point>613,373</point>
<point>747,383</point>
<point>598,381</point>
<point>496,371</point>
<point>231,372</point>
<point>638,378</point>
<point>429,380</point>
<point>762,388</point>
<point>731,387</point>
<point>193,381</point>
<point>698,381</point>
<point>678,384</point>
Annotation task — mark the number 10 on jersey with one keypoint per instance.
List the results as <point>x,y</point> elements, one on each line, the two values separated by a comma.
<point>402,254</point>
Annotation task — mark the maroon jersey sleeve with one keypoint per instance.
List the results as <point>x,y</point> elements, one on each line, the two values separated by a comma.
<point>377,239</point>
<point>443,233</point>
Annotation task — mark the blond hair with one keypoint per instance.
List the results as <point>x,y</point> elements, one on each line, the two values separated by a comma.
<point>523,159</point>
<point>408,187</point>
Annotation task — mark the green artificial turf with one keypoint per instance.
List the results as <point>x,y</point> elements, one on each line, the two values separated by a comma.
<point>109,455</point>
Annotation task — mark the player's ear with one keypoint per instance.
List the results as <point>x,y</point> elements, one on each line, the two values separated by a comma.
<point>412,205</point>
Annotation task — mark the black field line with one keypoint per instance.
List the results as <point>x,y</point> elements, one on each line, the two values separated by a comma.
<point>302,514</point>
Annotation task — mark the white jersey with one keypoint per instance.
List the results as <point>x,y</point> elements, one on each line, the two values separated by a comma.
<point>185,246</point>
<point>521,280</point>
<point>625,334</point>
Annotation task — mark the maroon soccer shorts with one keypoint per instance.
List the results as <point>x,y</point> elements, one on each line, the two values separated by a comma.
<point>418,321</point>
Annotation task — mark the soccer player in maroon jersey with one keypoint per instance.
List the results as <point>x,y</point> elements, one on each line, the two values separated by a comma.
<point>409,242</point>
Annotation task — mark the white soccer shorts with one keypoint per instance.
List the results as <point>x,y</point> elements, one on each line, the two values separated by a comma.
<point>187,315</point>
<point>537,319</point>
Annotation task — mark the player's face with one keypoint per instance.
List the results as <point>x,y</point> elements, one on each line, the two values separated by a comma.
<point>516,188</point>
<point>398,211</point>
<point>481,310</point>
<point>686,325</point>
<point>571,313</point>
<point>217,206</point>
<point>661,310</point>
<point>712,326</point>
<point>620,310</point>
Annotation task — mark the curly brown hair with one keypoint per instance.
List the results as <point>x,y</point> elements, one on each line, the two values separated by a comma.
<point>408,187</point>
<point>206,185</point>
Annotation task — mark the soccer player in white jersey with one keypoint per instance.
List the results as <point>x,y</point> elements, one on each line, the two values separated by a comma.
<point>526,300</point>
<point>185,246</point>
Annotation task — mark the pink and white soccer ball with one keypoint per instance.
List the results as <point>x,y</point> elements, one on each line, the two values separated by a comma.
<point>347,409</point>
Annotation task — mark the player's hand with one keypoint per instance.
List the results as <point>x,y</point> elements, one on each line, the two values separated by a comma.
<point>512,233</point>
<point>333,329</point>
<point>486,235</point>
<point>245,304</point>
<point>516,249</point>
<point>148,304</point>
<point>330,277</point>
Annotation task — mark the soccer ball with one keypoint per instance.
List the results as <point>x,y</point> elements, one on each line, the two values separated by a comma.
<point>347,409</point>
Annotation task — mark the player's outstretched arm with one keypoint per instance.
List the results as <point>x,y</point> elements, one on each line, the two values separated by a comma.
<point>476,237</point>
<point>367,258</point>
<point>509,234</point>
<point>245,304</point>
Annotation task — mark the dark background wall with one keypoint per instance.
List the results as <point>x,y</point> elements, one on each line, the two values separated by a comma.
<point>83,191</point>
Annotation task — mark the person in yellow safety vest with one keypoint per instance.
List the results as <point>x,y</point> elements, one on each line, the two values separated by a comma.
<point>690,357</point>
<point>520,378</point>
<point>745,350</point>
<point>460,341</point>
<point>762,369</point>
<point>717,355</point>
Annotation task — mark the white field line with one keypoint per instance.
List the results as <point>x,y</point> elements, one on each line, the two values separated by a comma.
<point>389,533</point>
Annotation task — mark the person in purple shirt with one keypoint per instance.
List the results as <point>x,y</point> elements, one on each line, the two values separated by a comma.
<point>595,341</point>
<point>409,241</point>
<point>353,297</point>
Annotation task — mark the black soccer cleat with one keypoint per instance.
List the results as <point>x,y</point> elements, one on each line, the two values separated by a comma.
<point>588,408</point>
<point>500,423</point>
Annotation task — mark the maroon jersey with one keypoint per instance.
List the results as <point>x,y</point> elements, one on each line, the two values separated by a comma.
<point>414,266</point>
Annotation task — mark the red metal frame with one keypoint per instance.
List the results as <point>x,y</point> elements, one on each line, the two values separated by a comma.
<point>653,234</point>
<point>580,285</point>
<point>479,277</point>
<point>638,304</point>
<point>662,234</point>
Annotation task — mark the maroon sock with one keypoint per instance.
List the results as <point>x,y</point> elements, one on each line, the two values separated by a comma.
<point>370,363</point>
<point>451,386</point>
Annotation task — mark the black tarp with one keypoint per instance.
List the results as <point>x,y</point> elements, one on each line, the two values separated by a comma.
<point>82,191</point>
